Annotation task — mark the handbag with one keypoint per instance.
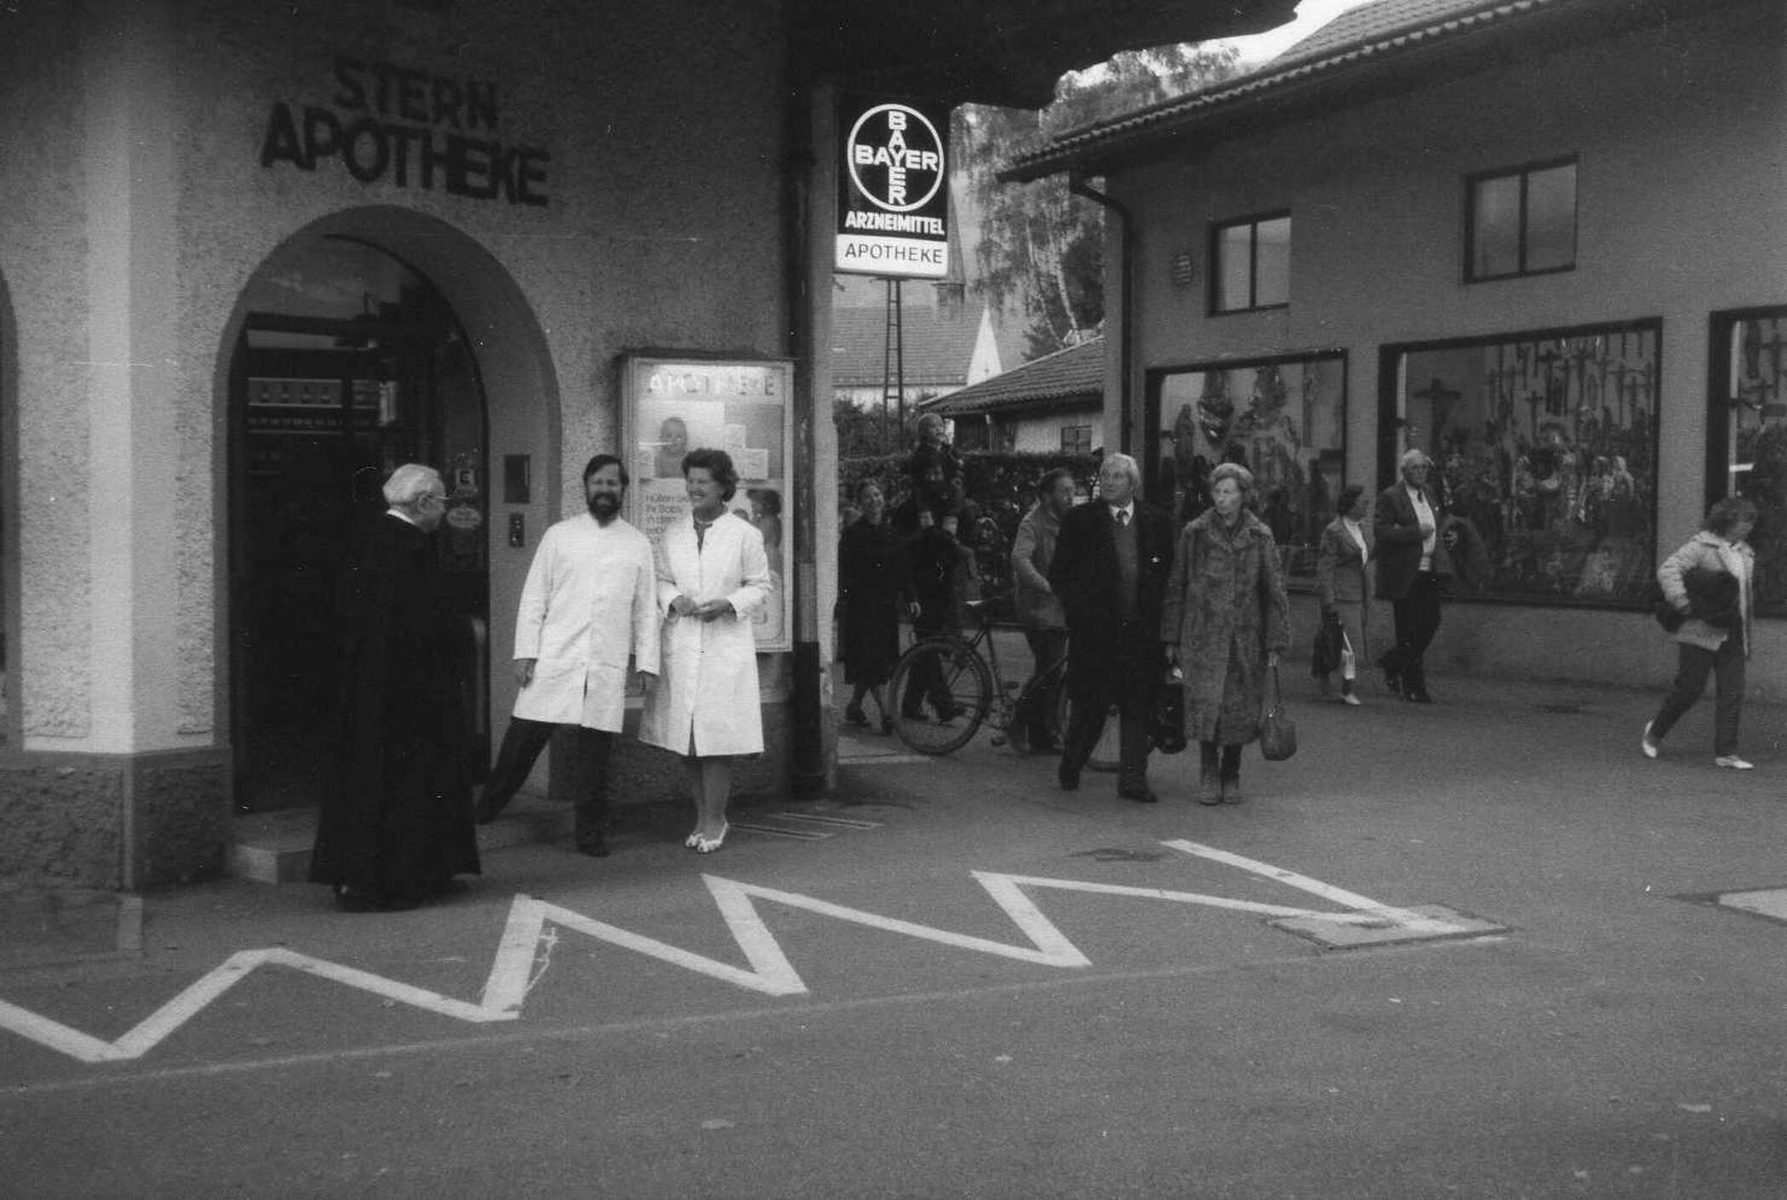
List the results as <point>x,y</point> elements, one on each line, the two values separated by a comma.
<point>1278,733</point>
<point>1166,729</point>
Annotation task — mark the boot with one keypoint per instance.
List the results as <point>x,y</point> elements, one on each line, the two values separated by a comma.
<point>1209,790</point>
<point>1414,684</point>
<point>1231,775</point>
<point>1347,695</point>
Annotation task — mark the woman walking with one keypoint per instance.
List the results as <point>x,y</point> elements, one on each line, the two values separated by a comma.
<point>1225,621</point>
<point>1708,581</point>
<point>712,577</point>
<point>1345,586</point>
<point>874,588</point>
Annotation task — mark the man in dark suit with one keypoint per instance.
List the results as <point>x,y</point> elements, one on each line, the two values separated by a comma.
<point>1110,570</point>
<point>1407,525</point>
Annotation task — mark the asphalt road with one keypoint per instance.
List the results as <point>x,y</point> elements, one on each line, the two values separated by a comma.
<point>982,986</point>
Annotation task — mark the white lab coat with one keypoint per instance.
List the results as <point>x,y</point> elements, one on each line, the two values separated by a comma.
<point>590,601</point>
<point>708,687</point>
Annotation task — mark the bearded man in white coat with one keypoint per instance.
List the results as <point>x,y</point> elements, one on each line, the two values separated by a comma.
<point>588,614</point>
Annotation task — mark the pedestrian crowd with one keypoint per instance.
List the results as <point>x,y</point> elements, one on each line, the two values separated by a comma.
<point>1151,618</point>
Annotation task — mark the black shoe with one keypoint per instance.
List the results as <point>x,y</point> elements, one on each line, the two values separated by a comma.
<point>350,899</point>
<point>596,846</point>
<point>1068,777</point>
<point>1043,742</point>
<point>855,715</point>
<point>1141,794</point>
<point>1417,695</point>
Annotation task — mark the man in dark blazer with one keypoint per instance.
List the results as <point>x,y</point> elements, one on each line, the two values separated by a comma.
<point>1110,570</point>
<point>1407,524</point>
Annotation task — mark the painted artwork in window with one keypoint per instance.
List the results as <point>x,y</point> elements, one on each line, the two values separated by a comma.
<point>1283,419</point>
<point>1545,445</point>
<point>1755,441</point>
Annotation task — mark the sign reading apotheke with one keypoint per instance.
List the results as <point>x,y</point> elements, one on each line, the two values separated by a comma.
<point>893,189</point>
<point>410,128</point>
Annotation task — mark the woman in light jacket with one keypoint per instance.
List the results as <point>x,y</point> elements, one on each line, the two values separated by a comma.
<point>1225,620</point>
<point>713,575</point>
<point>1713,639</point>
<point>1345,584</point>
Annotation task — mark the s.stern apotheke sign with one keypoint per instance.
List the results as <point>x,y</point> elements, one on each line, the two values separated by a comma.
<point>893,189</point>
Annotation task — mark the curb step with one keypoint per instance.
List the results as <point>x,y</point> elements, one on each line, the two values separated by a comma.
<point>275,847</point>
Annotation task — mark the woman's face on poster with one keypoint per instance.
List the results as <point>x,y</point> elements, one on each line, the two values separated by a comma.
<point>674,435</point>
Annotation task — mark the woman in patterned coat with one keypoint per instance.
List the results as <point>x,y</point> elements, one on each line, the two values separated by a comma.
<point>1225,621</point>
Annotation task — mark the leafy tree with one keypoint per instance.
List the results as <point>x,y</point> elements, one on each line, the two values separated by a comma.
<point>1041,247</point>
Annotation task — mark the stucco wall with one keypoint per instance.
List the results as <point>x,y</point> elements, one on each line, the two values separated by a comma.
<point>42,248</point>
<point>1680,206</point>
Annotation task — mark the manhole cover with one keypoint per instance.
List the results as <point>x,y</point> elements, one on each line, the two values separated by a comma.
<point>1116,854</point>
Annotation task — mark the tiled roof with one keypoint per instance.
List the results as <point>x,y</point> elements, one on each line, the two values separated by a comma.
<point>1073,374</point>
<point>1368,23</point>
<point>936,347</point>
<point>1359,38</point>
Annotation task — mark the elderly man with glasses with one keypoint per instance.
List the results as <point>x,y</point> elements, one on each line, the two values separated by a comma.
<point>1407,525</point>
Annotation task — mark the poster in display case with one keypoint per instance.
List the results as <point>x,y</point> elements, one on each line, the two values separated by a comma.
<point>673,405</point>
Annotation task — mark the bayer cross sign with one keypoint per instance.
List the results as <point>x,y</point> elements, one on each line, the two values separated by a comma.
<point>893,189</point>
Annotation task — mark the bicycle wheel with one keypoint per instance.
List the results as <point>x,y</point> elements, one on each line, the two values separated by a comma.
<point>940,694</point>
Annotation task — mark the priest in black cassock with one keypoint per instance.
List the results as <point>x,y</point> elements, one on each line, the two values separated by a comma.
<point>399,826</point>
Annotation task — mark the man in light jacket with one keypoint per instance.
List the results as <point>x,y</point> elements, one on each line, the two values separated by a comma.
<point>588,615</point>
<point>1045,621</point>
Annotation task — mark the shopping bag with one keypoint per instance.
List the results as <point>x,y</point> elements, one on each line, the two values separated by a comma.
<point>1166,731</point>
<point>1278,733</point>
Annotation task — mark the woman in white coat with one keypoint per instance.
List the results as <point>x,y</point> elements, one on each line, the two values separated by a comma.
<point>713,576</point>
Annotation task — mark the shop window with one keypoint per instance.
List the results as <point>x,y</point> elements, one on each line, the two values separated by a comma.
<point>1076,439</point>
<point>1253,264</point>
<point>1284,419</point>
<point>1747,437</point>
<point>1545,445</point>
<point>1522,222</point>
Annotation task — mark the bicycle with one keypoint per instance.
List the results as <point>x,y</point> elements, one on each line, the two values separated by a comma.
<point>964,688</point>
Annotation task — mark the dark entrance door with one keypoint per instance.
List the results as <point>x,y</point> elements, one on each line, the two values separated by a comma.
<point>323,408</point>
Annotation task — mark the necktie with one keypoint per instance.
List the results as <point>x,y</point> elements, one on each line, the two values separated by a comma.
<point>1122,517</point>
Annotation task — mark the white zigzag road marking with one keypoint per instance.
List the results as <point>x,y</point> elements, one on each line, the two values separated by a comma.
<point>513,972</point>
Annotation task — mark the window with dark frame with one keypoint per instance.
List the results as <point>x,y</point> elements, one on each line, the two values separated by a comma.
<point>1545,446</point>
<point>1521,221</point>
<point>1283,418</point>
<point>1252,263</point>
<point>1747,437</point>
<point>1076,439</point>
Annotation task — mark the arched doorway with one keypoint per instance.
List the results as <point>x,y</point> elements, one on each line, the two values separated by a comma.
<point>348,362</point>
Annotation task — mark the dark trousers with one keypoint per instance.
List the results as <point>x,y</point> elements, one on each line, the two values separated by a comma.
<point>1417,619</point>
<point>522,743</point>
<point>1129,680</point>
<point>1726,664</point>
<point>1048,647</point>
<point>927,682</point>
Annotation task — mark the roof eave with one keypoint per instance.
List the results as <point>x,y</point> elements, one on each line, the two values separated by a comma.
<point>1392,65</point>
